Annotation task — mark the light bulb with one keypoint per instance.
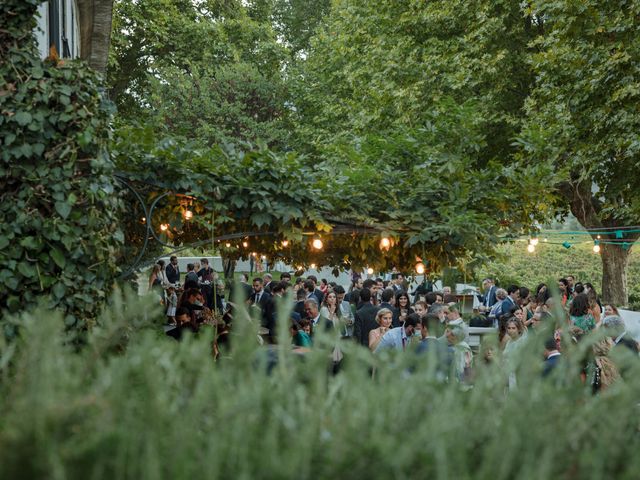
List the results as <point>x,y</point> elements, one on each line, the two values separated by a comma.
<point>370,271</point>
<point>385,243</point>
<point>533,241</point>
<point>420,268</point>
<point>312,266</point>
<point>228,245</point>
<point>164,227</point>
<point>188,214</point>
<point>264,257</point>
<point>531,248</point>
<point>596,249</point>
<point>285,243</point>
<point>317,244</point>
<point>245,244</point>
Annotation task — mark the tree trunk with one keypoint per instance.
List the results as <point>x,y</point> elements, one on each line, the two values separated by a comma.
<point>614,274</point>
<point>95,32</point>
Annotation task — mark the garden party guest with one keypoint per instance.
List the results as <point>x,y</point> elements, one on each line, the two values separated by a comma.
<point>191,279</point>
<point>184,324</point>
<point>365,318</point>
<point>313,314</point>
<point>604,370</point>
<point>190,302</point>
<point>345,311</point>
<point>206,279</point>
<point>300,335</point>
<point>617,330</point>
<point>331,310</point>
<point>610,310</point>
<point>565,290</point>
<point>595,307</point>
<point>489,299</point>
<point>420,308</point>
<point>496,310</point>
<point>163,273</point>
<point>155,281</point>
<point>514,336</point>
<point>580,313</point>
<point>173,270</point>
<point>324,286</point>
<point>267,278</point>
<point>399,338</point>
<point>462,354</point>
<point>403,307</point>
<point>172,304</point>
<point>551,356</point>
<point>384,319</point>
<point>388,301</point>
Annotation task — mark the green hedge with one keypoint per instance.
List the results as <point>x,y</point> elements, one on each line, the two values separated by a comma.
<point>162,409</point>
<point>58,215</point>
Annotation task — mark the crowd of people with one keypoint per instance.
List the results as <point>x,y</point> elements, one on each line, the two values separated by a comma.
<point>387,316</point>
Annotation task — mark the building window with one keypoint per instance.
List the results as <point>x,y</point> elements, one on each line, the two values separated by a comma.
<point>58,27</point>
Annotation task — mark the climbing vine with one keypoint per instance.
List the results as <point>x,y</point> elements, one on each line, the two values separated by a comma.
<point>58,204</point>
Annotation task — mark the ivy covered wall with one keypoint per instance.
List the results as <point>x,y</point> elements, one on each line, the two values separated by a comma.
<point>59,208</point>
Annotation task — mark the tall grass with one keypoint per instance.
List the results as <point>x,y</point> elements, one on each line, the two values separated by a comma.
<point>134,404</point>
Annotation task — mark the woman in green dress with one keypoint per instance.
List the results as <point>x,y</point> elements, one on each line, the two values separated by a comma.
<point>580,313</point>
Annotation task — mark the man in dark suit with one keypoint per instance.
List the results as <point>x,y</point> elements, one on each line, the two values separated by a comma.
<point>551,355</point>
<point>311,291</point>
<point>268,282</point>
<point>172,270</point>
<point>489,299</point>
<point>316,291</point>
<point>388,301</point>
<point>312,310</point>
<point>264,302</point>
<point>279,290</point>
<point>433,349</point>
<point>365,318</point>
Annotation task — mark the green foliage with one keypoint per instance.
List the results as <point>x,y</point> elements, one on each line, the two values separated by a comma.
<point>58,224</point>
<point>582,116</point>
<point>205,70</point>
<point>162,409</point>
<point>377,66</point>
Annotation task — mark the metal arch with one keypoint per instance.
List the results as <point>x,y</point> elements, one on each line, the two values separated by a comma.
<point>341,228</point>
<point>133,266</point>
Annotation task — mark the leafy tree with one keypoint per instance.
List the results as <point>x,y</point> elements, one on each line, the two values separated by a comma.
<point>582,122</point>
<point>204,69</point>
<point>58,211</point>
<point>380,66</point>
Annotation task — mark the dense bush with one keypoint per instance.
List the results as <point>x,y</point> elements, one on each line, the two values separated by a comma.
<point>58,226</point>
<point>162,409</point>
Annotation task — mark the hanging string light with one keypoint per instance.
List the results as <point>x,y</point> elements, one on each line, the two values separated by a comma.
<point>164,227</point>
<point>313,266</point>
<point>596,247</point>
<point>531,248</point>
<point>317,244</point>
<point>188,214</point>
<point>228,244</point>
<point>285,243</point>
<point>385,243</point>
<point>420,268</point>
<point>245,244</point>
<point>370,271</point>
